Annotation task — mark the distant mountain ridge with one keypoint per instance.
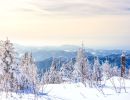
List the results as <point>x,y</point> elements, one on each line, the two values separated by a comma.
<point>43,55</point>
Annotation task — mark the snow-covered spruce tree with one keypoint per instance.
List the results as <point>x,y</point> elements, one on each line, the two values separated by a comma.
<point>114,71</point>
<point>80,73</point>
<point>90,74</point>
<point>45,78</point>
<point>106,70</point>
<point>29,72</point>
<point>123,64</point>
<point>9,67</point>
<point>107,74</point>
<point>97,75</point>
<point>54,75</point>
<point>123,72</point>
<point>1,69</point>
<point>66,71</point>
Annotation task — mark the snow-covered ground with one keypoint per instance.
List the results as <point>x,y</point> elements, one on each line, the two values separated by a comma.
<point>75,91</point>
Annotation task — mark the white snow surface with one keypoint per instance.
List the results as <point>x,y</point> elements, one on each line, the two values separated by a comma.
<point>74,91</point>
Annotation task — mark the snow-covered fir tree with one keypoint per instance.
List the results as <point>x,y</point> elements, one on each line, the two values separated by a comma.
<point>29,70</point>
<point>89,74</point>
<point>66,71</point>
<point>106,70</point>
<point>114,71</point>
<point>9,67</point>
<point>80,73</point>
<point>97,71</point>
<point>1,68</point>
<point>45,77</point>
<point>123,64</point>
<point>54,75</point>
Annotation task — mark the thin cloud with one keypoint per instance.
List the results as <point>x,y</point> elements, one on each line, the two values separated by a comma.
<point>84,7</point>
<point>67,7</point>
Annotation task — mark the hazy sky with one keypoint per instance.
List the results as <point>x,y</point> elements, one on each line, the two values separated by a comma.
<point>99,23</point>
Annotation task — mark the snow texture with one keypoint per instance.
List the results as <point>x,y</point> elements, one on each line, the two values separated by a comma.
<point>74,91</point>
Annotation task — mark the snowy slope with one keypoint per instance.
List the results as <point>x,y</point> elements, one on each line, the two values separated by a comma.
<point>79,92</point>
<point>74,91</point>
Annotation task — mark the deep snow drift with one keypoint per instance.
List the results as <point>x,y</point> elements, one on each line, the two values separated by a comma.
<point>74,91</point>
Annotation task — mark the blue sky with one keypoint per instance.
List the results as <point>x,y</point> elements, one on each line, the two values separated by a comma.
<point>99,23</point>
